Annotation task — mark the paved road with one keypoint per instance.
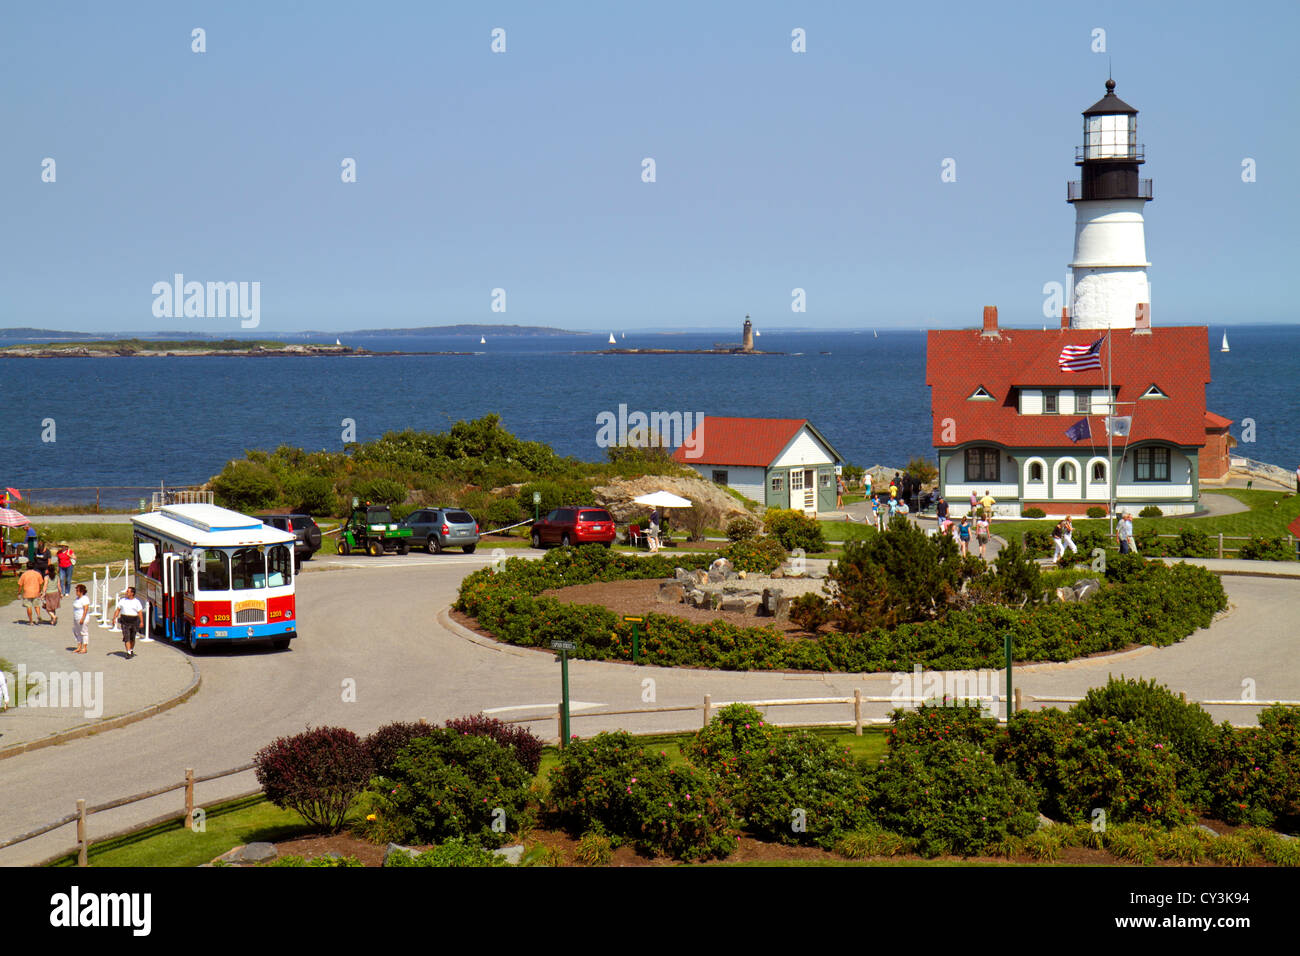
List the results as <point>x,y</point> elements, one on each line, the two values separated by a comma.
<point>378,648</point>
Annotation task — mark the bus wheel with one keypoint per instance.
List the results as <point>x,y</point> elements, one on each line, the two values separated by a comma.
<point>376,549</point>
<point>281,644</point>
<point>194,641</point>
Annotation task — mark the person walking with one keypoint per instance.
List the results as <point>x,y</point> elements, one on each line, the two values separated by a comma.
<point>963,536</point>
<point>941,510</point>
<point>40,559</point>
<point>31,584</point>
<point>974,503</point>
<point>52,596</point>
<point>1067,536</point>
<point>866,482</point>
<point>652,532</point>
<point>130,612</point>
<point>839,491</point>
<point>67,559</point>
<point>80,620</point>
<point>982,534</point>
<point>1126,528</point>
<point>1058,546</point>
<point>987,503</point>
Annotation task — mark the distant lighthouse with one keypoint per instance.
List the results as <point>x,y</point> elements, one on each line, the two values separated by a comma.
<point>747,336</point>
<point>1110,256</point>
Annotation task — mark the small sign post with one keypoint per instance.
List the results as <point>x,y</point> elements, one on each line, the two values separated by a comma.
<point>636,636</point>
<point>1007,647</point>
<point>564,647</point>
<point>537,500</point>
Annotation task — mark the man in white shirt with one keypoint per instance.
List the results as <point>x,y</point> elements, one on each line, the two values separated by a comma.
<point>130,612</point>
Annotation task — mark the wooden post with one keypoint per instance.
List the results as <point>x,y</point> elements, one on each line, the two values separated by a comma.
<point>189,798</point>
<point>857,711</point>
<point>1019,704</point>
<point>81,834</point>
<point>708,709</point>
<point>1220,544</point>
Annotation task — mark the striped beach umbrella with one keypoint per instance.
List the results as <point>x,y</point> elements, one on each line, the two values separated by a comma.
<point>12,519</point>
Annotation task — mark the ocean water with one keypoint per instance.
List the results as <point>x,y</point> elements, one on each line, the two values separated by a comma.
<point>135,422</point>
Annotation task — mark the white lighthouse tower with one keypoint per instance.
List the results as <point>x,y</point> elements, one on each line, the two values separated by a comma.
<point>1110,256</point>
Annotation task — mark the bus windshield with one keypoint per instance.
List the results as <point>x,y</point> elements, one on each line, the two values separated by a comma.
<point>214,570</point>
<point>248,569</point>
<point>279,566</point>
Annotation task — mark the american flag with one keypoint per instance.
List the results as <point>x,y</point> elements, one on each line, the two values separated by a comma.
<point>1079,358</point>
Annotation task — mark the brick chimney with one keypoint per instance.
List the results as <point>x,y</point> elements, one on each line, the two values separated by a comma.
<point>990,320</point>
<point>1065,316</point>
<point>1143,317</point>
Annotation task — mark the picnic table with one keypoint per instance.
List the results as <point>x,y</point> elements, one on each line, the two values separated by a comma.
<point>13,557</point>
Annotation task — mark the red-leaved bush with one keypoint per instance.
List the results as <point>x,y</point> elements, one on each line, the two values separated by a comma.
<point>317,773</point>
<point>383,746</point>
<point>527,746</point>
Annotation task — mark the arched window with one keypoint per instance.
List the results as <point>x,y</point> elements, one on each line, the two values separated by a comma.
<point>1098,472</point>
<point>1065,473</point>
<point>1036,471</point>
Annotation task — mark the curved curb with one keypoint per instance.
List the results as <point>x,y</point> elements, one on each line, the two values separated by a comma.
<point>463,632</point>
<point>87,730</point>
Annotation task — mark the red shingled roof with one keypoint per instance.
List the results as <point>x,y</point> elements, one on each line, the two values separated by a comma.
<point>1176,360</point>
<point>741,441</point>
<point>1216,421</point>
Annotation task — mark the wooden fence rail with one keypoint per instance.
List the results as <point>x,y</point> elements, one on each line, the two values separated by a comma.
<point>83,812</point>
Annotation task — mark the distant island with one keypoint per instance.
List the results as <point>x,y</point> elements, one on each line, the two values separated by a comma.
<point>57,335</point>
<point>148,348</point>
<point>467,330</point>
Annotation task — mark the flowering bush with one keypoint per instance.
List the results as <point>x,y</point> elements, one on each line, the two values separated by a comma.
<point>1254,773</point>
<point>318,773</point>
<point>950,720</point>
<point>611,785</point>
<point>1074,767</point>
<point>383,746</point>
<point>791,787</point>
<point>794,529</point>
<point>454,852</point>
<point>446,784</point>
<point>950,796</point>
<point>756,555</point>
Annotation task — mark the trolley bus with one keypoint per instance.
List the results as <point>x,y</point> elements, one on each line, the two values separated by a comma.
<point>208,575</point>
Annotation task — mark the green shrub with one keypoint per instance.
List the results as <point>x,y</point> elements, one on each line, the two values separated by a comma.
<point>1272,846</point>
<point>742,528</point>
<point>755,555</point>
<point>611,785</point>
<point>1254,773</point>
<point>311,494</point>
<point>446,784</point>
<point>1188,729</point>
<point>950,797</point>
<point>385,744</point>
<point>932,723</point>
<point>327,860</point>
<point>380,491</point>
<point>1150,544</point>
<point>318,773</point>
<point>1194,544</point>
<point>1016,578</point>
<point>794,529</point>
<point>1033,512</point>
<point>1151,511</point>
<point>861,844</point>
<point>245,486</point>
<point>1266,549</point>
<point>810,612</point>
<point>894,578</point>
<point>453,852</point>
<point>1233,850</point>
<point>500,513</point>
<point>1132,842</point>
<point>526,746</point>
<point>1096,511</point>
<point>595,849</point>
<point>1044,844</point>
<point>1185,844</point>
<point>1075,768</point>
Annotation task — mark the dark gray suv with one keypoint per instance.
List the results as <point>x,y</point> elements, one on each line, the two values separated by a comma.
<point>306,533</point>
<point>439,528</point>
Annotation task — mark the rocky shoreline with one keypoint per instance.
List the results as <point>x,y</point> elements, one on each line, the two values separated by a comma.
<point>256,352</point>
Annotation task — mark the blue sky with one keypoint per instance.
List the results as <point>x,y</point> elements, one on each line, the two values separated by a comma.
<point>522,170</point>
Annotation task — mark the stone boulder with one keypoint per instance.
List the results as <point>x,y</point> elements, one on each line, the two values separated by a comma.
<point>1086,588</point>
<point>1066,595</point>
<point>618,494</point>
<point>670,592</point>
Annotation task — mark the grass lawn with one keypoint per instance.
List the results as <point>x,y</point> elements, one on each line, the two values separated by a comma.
<point>95,545</point>
<point>846,530</point>
<point>252,819</point>
<point>1269,514</point>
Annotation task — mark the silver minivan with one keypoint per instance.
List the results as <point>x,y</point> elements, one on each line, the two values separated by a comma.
<point>439,528</point>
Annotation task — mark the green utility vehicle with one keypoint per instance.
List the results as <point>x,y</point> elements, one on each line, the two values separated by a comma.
<point>371,529</point>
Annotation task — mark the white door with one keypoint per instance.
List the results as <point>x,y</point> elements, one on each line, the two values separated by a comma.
<point>796,487</point>
<point>810,492</point>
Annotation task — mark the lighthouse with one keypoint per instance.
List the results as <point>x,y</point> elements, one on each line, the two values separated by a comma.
<point>1110,257</point>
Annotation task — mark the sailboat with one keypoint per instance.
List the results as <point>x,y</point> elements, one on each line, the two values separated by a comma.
<point>612,340</point>
<point>875,335</point>
<point>624,335</point>
<point>757,333</point>
<point>1224,347</point>
<point>337,342</point>
<point>482,341</point>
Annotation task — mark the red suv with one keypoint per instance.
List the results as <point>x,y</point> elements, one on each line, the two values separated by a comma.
<point>574,526</point>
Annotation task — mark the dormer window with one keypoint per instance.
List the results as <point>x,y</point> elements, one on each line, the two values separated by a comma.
<point>1049,403</point>
<point>1154,392</point>
<point>980,393</point>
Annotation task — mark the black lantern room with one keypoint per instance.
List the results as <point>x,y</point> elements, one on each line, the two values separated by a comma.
<point>1110,155</point>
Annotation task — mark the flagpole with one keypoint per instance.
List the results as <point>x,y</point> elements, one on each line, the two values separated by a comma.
<point>1110,434</point>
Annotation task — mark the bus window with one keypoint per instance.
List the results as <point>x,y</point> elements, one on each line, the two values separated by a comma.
<point>214,571</point>
<point>248,569</point>
<point>146,554</point>
<point>279,566</point>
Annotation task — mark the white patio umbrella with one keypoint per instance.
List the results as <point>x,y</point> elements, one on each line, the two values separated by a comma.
<point>12,519</point>
<point>663,499</point>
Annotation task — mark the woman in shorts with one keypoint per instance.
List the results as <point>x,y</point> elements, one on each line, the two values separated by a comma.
<point>130,614</point>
